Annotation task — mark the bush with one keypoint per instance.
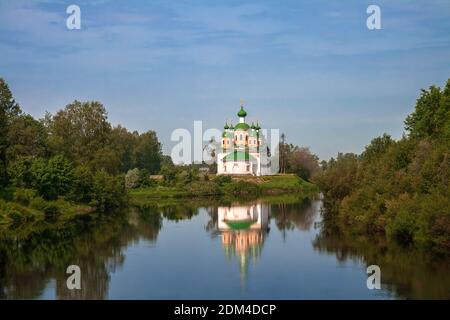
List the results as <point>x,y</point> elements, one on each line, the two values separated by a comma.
<point>108,191</point>
<point>55,178</point>
<point>24,196</point>
<point>222,179</point>
<point>82,185</point>
<point>144,178</point>
<point>14,212</point>
<point>242,188</point>
<point>132,179</point>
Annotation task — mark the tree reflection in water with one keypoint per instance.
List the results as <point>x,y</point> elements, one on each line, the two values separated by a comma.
<point>28,263</point>
<point>33,255</point>
<point>406,272</point>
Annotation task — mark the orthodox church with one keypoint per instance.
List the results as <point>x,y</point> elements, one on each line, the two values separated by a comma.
<point>244,149</point>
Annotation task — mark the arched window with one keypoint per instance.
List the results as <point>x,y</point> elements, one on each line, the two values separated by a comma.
<point>240,137</point>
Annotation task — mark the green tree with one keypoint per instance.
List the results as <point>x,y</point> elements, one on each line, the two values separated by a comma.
<point>148,152</point>
<point>124,142</point>
<point>431,114</point>
<point>8,109</point>
<point>377,147</point>
<point>55,178</point>
<point>79,131</point>
<point>26,137</point>
<point>108,191</point>
<point>302,162</point>
<point>132,178</point>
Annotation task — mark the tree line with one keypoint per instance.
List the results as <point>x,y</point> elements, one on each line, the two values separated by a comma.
<point>75,153</point>
<point>296,159</point>
<point>400,188</point>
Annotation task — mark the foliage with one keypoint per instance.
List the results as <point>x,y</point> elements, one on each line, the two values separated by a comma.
<point>298,160</point>
<point>401,188</point>
<point>75,154</point>
<point>8,109</point>
<point>132,179</point>
<point>108,191</point>
<point>55,178</point>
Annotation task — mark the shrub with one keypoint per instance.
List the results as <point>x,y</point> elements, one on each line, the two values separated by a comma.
<point>242,188</point>
<point>24,196</point>
<point>222,179</point>
<point>82,185</point>
<point>108,191</point>
<point>144,178</point>
<point>132,178</point>
<point>55,178</point>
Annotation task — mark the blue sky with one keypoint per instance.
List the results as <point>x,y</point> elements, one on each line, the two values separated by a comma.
<point>310,68</point>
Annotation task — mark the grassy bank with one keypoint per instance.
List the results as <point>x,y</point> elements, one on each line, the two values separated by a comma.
<point>19,206</point>
<point>226,187</point>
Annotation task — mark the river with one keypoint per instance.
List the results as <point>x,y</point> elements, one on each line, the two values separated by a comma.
<point>214,250</point>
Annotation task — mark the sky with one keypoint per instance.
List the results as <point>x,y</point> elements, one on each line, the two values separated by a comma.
<point>311,69</point>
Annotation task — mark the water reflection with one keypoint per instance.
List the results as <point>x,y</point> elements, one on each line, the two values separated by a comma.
<point>286,235</point>
<point>243,229</point>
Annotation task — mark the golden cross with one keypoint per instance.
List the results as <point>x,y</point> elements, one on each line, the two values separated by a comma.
<point>242,102</point>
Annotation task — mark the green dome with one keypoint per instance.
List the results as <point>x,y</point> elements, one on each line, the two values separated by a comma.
<point>226,126</point>
<point>242,126</point>
<point>242,112</point>
<point>227,135</point>
<point>231,126</point>
<point>257,127</point>
<point>253,126</point>
<point>239,224</point>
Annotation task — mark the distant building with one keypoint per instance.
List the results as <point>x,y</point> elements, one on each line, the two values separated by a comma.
<point>244,149</point>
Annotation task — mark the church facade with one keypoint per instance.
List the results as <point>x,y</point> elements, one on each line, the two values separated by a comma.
<point>244,150</point>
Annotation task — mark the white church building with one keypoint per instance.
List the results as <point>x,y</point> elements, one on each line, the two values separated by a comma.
<point>244,149</point>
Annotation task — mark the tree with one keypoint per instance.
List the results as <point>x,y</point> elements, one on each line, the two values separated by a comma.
<point>302,162</point>
<point>54,178</point>
<point>283,150</point>
<point>148,152</point>
<point>132,178</point>
<point>8,109</point>
<point>431,113</point>
<point>377,147</point>
<point>26,137</point>
<point>124,142</point>
<point>108,192</point>
<point>79,131</point>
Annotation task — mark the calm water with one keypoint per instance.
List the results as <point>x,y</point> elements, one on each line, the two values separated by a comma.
<point>254,250</point>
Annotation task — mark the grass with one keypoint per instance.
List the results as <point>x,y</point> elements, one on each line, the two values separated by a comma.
<point>239,187</point>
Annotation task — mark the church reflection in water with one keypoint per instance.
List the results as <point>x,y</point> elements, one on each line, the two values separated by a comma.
<point>243,229</point>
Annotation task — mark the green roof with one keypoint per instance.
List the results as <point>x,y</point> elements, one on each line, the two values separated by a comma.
<point>253,133</point>
<point>237,156</point>
<point>242,112</point>
<point>226,134</point>
<point>239,224</point>
<point>242,126</point>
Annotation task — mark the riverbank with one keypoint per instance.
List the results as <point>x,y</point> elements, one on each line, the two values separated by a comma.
<point>226,187</point>
<point>23,206</point>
